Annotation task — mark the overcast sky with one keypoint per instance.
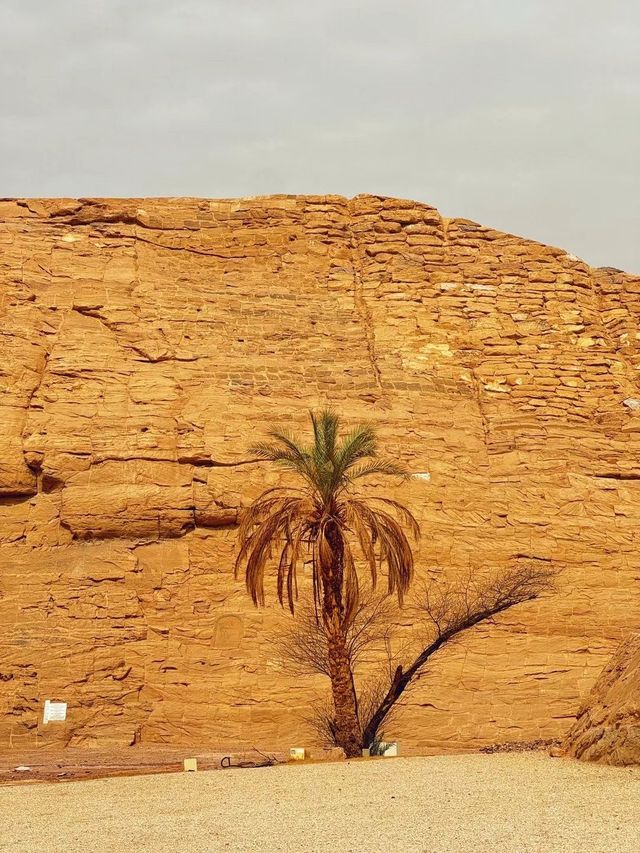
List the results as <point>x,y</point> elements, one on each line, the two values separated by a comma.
<point>521,114</point>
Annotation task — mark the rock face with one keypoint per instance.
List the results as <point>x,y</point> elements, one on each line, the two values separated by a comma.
<point>607,729</point>
<point>145,343</point>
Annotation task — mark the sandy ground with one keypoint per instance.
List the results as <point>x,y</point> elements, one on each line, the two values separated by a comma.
<point>444,804</point>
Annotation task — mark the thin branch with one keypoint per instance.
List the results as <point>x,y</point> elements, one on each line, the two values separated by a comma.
<point>455,609</point>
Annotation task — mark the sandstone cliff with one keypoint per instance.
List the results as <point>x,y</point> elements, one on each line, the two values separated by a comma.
<point>607,729</point>
<point>144,342</point>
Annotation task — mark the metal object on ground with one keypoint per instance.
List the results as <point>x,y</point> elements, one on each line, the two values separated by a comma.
<point>265,761</point>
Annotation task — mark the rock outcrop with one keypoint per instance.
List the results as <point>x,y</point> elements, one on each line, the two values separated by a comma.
<point>607,729</point>
<point>145,343</point>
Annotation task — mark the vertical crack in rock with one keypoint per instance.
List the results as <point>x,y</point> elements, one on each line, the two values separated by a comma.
<point>616,346</point>
<point>477,384</point>
<point>445,238</point>
<point>136,265</point>
<point>46,355</point>
<point>31,463</point>
<point>360,302</point>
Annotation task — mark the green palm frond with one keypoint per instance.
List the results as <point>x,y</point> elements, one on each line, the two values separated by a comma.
<point>379,467</point>
<point>290,443</point>
<point>325,433</point>
<point>360,443</point>
<point>285,453</point>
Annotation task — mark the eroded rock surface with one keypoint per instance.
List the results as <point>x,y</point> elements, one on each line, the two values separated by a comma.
<point>145,343</point>
<point>607,728</point>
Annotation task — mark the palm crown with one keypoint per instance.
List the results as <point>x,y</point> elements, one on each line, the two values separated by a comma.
<point>324,518</point>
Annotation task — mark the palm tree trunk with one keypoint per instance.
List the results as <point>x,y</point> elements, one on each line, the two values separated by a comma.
<point>343,690</point>
<point>345,704</point>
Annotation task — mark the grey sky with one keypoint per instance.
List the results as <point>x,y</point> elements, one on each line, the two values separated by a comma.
<point>521,114</point>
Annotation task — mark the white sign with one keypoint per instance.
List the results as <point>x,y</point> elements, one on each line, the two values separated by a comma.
<point>54,712</point>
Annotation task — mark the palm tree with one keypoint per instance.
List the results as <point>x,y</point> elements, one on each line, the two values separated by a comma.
<point>323,519</point>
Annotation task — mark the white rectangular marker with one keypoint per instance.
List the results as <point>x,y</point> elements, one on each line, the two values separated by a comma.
<point>54,712</point>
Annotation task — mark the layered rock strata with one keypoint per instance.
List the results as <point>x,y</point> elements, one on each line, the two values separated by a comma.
<point>144,343</point>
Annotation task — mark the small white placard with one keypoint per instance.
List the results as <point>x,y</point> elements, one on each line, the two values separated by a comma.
<point>54,712</point>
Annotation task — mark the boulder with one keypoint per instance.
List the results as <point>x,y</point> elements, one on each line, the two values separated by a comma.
<point>607,729</point>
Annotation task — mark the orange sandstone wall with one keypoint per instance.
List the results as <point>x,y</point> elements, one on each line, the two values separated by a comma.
<point>142,339</point>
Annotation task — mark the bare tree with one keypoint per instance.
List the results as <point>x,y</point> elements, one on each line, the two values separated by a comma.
<point>450,610</point>
<point>321,720</point>
<point>441,613</point>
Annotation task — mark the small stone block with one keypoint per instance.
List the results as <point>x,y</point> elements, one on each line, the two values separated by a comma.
<point>190,764</point>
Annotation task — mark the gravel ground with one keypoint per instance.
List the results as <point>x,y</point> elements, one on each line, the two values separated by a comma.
<point>444,804</point>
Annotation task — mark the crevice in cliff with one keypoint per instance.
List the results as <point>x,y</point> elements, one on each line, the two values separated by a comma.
<point>43,370</point>
<point>95,315</point>
<point>532,557</point>
<point>33,460</point>
<point>445,238</point>
<point>191,249</point>
<point>118,217</point>
<point>196,519</point>
<point>201,461</point>
<point>216,518</point>
<point>116,330</point>
<point>196,460</point>
<point>88,214</point>
<point>80,212</point>
<point>15,499</point>
<point>151,359</point>
<point>617,475</point>
<point>477,386</point>
<point>360,303</point>
<point>602,299</point>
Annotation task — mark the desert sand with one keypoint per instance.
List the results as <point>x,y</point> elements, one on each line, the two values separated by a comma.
<point>519,803</point>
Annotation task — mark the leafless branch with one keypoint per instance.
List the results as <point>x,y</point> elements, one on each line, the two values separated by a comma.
<point>302,641</point>
<point>451,608</point>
